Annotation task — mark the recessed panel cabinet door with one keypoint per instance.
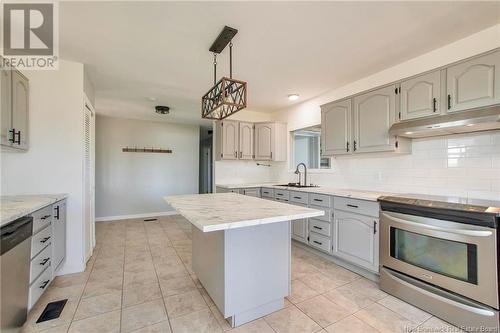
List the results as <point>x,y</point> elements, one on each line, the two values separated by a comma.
<point>336,128</point>
<point>6,111</point>
<point>474,83</point>
<point>229,140</point>
<point>420,96</point>
<point>374,113</point>
<point>264,141</point>
<point>355,238</point>
<point>20,105</point>
<point>246,141</point>
<point>59,234</point>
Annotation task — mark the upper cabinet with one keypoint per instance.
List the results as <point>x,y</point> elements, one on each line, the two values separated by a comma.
<point>270,141</point>
<point>474,83</point>
<point>227,132</point>
<point>336,119</point>
<point>15,109</point>
<point>420,96</point>
<point>374,113</point>
<point>245,141</point>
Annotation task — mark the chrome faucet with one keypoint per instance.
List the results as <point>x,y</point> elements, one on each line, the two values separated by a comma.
<point>297,172</point>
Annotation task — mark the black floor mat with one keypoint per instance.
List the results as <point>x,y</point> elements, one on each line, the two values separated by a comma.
<point>150,220</point>
<point>52,311</point>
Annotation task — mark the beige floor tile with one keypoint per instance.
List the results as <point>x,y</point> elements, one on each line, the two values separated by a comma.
<point>291,320</point>
<point>200,322</point>
<point>319,282</point>
<point>406,310</point>
<point>136,295</point>
<point>65,318</point>
<point>70,280</point>
<point>177,285</point>
<point>301,292</point>
<point>351,324</point>
<point>384,319</point>
<point>339,274</point>
<point>348,298</point>
<point>163,327</point>
<point>256,326</point>
<point>142,315</point>
<point>96,305</point>
<point>182,304</point>
<point>323,311</point>
<point>220,318</point>
<point>57,293</point>
<point>367,288</point>
<point>206,297</point>
<point>170,271</point>
<point>139,279</point>
<point>301,269</point>
<point>102,287</point>
<point>58,329</point>
<point>99,274</point>
<point>105,323</point>
<point>436,325</point>
<point>137,267</point>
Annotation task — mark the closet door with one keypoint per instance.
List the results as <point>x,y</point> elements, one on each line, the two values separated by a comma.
<point>88,180</point>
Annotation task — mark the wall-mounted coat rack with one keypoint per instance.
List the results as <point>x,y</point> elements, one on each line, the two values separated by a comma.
<point>146,150</point>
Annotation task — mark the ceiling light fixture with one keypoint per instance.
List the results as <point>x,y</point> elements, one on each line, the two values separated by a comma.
<point>293,97</point>
<point>228,95</point>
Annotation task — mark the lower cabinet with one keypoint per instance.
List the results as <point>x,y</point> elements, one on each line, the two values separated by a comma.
<point>252,192</point>
<point>59,234</point>
<point>355,239</point>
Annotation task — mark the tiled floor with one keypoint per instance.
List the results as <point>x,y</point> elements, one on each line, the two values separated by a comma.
<point>140,280</point>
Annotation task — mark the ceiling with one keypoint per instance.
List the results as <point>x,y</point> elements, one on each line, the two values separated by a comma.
<point>137,50</point>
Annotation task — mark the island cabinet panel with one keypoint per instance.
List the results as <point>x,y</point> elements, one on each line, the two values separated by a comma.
<point>374,113</point>
<point>355,239</point>
<point>245,281</point>
<point>474,83</point>
<point>336,125</point>
<point>420,96</point>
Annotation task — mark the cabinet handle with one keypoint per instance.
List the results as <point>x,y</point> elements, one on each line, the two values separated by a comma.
<point>45,217</point>
<point>45,239</point>
<point>57,212</point>
<point>241,154</point>
<point>44,261</point>
<point>297,197</point>
<point>353,206</point>
<point>271,155</point>
<point>318,242</point>
<point>319,200</point>
<point>316,227</point>
<point>44,284</point>
<point>236,154</point>
<point>13,131</point>
<point>354,144</point>
<point>347,146</point>
<point>374,227</point>
<point>434,104</point>
<point>449,101</point>
<point>18,137</point>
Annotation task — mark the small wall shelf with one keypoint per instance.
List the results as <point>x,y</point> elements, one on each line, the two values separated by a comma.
<point>146,150</point>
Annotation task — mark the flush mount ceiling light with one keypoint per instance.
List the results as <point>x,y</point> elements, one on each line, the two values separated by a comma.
<point>160,109</point>
<point>293,97</point>
<point>228,95</point>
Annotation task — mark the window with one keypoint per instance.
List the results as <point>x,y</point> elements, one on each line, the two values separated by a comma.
<point>306,148</point>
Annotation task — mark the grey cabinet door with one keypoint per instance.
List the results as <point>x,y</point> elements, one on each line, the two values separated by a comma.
<point>246,141</point>
<point>374,113</point>
<point>58,234</point>
<point>20,109</point>
<point>420,96</point>
<point>474,83</point>
<point>355,239</point>
<point>299,230</point>
<point>336,128</point>
<point>6,105</point>
<point>230,140</point>
<point>264,141</point>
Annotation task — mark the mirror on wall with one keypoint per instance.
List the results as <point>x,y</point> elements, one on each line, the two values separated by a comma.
<point>306,148</point>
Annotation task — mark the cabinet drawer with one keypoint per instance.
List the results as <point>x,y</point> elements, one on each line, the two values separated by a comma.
<point>41,218</point>
<point>267,193</point>
<point>370,208</point>
<point>327,217</point>
<point>281,200</point>
<point>319,241</point>
<point>320,227</point>
<point>252,192</point>
<point>40,240</point>
<point>39,286</point>
<point>320,200</point>
<point>282,194</point>
<point>299,197</point>
<point>40,262</point>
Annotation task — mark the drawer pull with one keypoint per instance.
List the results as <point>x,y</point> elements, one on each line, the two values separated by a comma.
<point>44,284</point>
<point>44,261</point>
<point>320,200</point>
<point>44,239</point>
<point>319,243</point>
<point>280,194</point>
<point>353,206</point>
<point>374,227</point>
<point>316,227</point>
<point>297,197</point>
<point>45,217</point>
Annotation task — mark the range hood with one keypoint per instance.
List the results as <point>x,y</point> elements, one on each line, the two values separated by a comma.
<point>474,120</point>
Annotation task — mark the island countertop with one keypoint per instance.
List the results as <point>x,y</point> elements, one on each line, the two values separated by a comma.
<point>222,211</point>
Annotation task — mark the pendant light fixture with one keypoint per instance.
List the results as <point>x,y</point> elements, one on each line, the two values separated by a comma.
<point>228,95</point>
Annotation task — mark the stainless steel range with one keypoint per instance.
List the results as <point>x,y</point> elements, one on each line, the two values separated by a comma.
<point>441,254</point>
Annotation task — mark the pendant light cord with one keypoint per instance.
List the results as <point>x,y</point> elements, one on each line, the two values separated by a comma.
<point>215,68</point>
<point>231,60</point>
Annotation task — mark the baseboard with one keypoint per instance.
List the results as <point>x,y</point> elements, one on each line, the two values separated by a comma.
<point>134,216</point>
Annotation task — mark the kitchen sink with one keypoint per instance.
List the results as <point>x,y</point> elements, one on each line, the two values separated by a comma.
<point>297,185</point>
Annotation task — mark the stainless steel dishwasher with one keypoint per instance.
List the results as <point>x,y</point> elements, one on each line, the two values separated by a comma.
<point>15,243</point>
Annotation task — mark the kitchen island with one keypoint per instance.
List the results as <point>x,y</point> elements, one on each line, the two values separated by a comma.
<point>241,250</point>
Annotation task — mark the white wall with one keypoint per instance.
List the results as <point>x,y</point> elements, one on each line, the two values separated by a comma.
<point>135,183</point>
<point>54,162</point>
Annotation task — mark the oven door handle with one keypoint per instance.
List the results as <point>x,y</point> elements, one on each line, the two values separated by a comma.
<point>464,232</point>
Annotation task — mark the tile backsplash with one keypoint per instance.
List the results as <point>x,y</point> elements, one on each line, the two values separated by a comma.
<point>466,165</point>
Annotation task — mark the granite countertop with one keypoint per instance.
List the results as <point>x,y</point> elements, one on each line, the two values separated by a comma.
<point>15,206</point>
<point>222,211</point>
<point>340,192</point>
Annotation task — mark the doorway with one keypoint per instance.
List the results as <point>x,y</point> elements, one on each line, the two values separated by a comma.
<point>206,160</point>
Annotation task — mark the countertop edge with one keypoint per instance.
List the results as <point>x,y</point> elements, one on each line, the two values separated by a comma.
<point>50,199</point>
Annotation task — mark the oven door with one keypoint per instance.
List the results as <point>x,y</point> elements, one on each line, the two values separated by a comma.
<point>458,257</point>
